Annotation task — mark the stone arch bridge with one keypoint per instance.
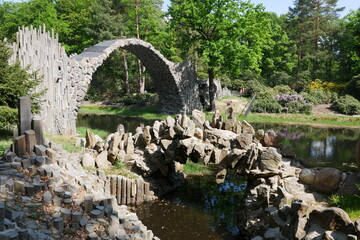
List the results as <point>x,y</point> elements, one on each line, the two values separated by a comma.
<point>67,78</point>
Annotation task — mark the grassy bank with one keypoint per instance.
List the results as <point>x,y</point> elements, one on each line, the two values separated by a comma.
<point>149,112</point>
<point>349,203</point>
<point>315,119</point>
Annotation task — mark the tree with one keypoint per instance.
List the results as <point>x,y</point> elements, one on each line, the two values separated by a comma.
<point>77,17</point>
<point>33,12</point>
<point>228,35</point>
<point>350,46</point>
<point>144,21</point>
<point>311,25</point>
<point>14,83</point>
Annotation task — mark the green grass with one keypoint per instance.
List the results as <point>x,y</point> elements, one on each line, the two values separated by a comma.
<point>341,121</point>
<point>196,168</point>
<point>349,203</point>
<point>149,112</point>
<point>67,142</point>
<point>120,169</point>
<point>101,133</point>
<point>6,139</point>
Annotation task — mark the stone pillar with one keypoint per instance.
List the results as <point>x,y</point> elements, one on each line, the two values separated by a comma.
<point>20,146</point>
<point>118,192</point>
<point>123,191</point>
<point>139,191</point>
<point>128,191</point>
<point>88,203</point>
<point>37,126</point>
<point>30,139</point>
<point>2,217</point>
<point>24,114</point>
<point>113,185</point>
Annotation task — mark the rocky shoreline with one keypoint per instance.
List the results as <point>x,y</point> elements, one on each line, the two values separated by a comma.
<point>47,193</point>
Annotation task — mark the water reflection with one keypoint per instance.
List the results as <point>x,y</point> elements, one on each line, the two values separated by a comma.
<point>319,147</point>
<point>201,209</point>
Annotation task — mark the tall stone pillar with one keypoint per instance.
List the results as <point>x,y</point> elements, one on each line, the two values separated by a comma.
<point>37,126</point>
<point>24,114</point>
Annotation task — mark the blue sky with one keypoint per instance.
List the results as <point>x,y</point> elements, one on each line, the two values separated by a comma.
<point>282,6</point>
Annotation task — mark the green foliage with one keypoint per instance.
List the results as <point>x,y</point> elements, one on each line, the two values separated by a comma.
<point>196,168</point>
<point>6,137</point>
<point>140,98</point>
<point>318,96</point>
<point>14,83</point>
<point>349,203</point>
<point>353,87</point>
<point>347,105</point>
<point>8,117</point>
<point>283,89</point>
<point>298,107</point>
<point>267,106</point>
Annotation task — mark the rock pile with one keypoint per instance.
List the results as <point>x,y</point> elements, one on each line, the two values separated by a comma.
<point>283,200</point>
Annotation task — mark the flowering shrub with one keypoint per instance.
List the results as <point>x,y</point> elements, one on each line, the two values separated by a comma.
<point>325,86</point>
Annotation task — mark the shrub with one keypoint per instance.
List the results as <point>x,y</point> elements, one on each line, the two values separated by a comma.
<point>267,106</point>
<point>319,96</point>
<point>8,117</point>
<point>347,105</point>
<point>353,87</point>
<point>283,89</point>
<point>137,98</point>
<point>298,107</point>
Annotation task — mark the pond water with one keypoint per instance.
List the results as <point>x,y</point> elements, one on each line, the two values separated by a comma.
<point>200,209</point>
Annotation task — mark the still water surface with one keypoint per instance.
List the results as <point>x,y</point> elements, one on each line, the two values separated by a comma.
<point>203,210</point>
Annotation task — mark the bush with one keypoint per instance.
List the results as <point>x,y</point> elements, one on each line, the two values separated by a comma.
<point>137,98</point>
<point>353,87</point>
<point>319,96</point>
<point>347,105</point>
<point>8,117</point>
<point>298,107</point>
<point>266,106</point>
<point>294,103</point>
<point>283,89</point>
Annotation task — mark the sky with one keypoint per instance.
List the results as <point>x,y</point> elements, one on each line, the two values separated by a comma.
<point>282,6</point>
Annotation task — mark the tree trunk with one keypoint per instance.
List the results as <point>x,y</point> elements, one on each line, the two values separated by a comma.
<point>212,89</point>
<point>141,78</point>
<point>127,85</point>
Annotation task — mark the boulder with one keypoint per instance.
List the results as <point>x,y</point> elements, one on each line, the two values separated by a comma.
<point>230,121</point>
<point>90,139</point>
<point>198,117</point>
<point>158,129</point>
<point>259,135</point>
<point>270,138</point>
<point>184,120</point>
<point>327,180</point>
<point>199,133</point>
<point>101,160</point>
<point>88,161</point>
<point>270,160</point>
<point>350,184</point>
<point>244,140</point>
<point>247,128</point>
<point>307,176</point>
<point>120,129</point>
<point>333,219</point>
<point>169,121</point>
<point>218,136</point>
<point>189,130</point>
<point>147,135</point>
<point>216,119</point>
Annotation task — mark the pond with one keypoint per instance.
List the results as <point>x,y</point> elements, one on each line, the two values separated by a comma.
<point>200,209</point>
<point>317,146</point>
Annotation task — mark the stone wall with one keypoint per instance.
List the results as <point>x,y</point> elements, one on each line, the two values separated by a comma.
<point>67,78</point>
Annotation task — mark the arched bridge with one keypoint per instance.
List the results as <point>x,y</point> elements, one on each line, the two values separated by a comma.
<point>67,78</point>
